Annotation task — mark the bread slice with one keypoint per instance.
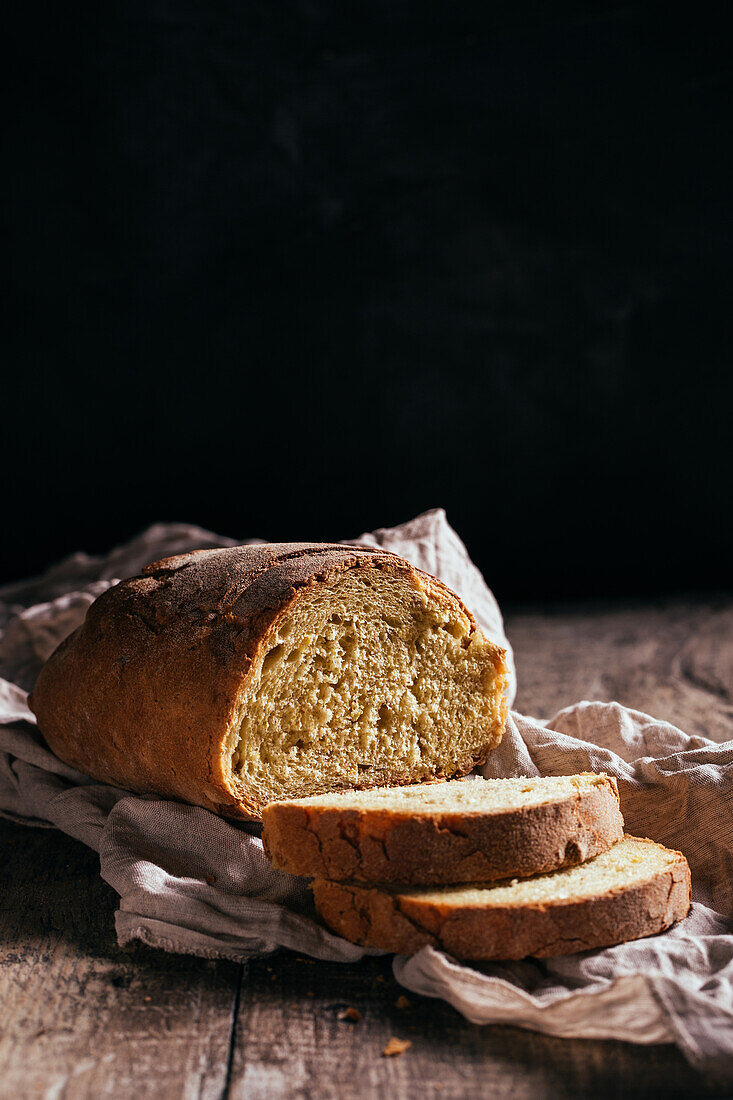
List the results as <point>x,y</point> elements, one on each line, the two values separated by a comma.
<point>634,889</point>
<point>476,830</point>
<point>232,678</point>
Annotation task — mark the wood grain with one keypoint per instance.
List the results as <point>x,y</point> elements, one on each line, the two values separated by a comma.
<point>82,1018</point>
<point>290,1043</point>
<point>673,660</point>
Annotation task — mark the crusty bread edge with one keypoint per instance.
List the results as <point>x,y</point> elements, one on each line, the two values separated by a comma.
<point>429,848</point>
<point>383,918</point>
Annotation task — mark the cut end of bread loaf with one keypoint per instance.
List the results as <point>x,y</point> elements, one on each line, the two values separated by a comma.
<point>372,679</point>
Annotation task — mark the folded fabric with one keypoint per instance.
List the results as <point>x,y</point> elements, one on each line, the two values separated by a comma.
<point>194,883</point>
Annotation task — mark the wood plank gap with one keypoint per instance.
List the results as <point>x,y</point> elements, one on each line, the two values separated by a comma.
<point>233,1031</point>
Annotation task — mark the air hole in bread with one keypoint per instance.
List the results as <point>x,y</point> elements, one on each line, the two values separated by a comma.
<point>272,657</point>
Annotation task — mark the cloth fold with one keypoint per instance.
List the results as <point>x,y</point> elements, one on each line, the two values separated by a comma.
<point>191,882</point>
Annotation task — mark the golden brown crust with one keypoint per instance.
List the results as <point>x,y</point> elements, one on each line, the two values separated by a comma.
<point>423,847</point>
<point>403,924</point>
<point>144,693</point>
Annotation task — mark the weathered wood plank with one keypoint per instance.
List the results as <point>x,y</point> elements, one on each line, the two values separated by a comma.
<point>291,1044</point>
<point>82,1018</point>
<point>673,659</point>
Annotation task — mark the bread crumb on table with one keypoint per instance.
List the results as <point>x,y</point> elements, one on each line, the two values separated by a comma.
<point>351,1014</point>
<point>402,1002</point>
<point>396,1046</point>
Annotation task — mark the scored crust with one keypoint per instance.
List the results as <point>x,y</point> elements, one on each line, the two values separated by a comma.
<point>345,839</point>
<point>471,927</point>
<point>145,693</point>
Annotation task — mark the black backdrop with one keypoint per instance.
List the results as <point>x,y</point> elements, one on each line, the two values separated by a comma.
<point>297,270</point>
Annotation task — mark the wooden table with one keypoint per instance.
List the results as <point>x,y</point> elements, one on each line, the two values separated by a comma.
<point>80,1017</point>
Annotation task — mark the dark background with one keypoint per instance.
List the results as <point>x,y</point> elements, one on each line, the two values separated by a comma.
<point>299,270</point>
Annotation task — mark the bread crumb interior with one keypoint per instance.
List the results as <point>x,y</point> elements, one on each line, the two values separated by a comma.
<point>469,796</point>
<point>362,682</point>
<point>631,860</point>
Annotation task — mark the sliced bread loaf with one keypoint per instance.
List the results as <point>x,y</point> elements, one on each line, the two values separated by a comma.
<point>635,889</point>
<point>476,830</point>
<point>233,678</point>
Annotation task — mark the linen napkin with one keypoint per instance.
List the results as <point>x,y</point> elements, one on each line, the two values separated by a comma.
<point>191,882</point>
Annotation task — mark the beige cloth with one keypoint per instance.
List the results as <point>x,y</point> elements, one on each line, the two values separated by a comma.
<point>191,882</point>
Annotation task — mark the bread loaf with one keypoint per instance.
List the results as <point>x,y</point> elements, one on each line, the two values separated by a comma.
<point>232,678</point>
<point>476,830</point>
<point>634,889</point>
